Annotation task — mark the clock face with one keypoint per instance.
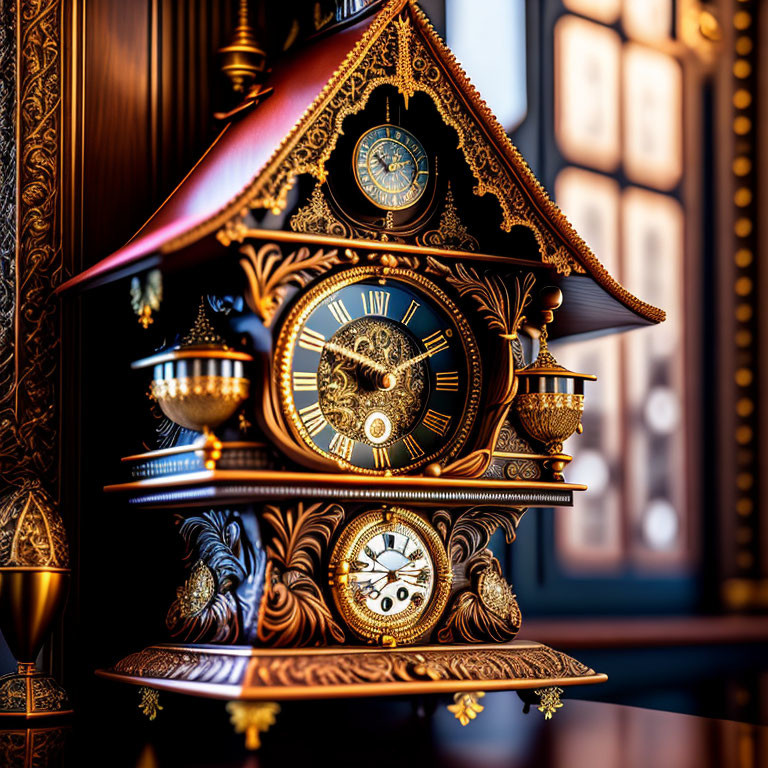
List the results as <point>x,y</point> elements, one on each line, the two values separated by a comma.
<point>391,167</point>
<point>380,374</point>
<point>390,576</point>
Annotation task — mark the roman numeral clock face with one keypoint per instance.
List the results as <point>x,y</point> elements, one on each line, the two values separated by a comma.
<point>379,373</point>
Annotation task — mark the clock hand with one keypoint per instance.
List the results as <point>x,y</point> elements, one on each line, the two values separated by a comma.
<point>412,361</point>
<point>357,357</point>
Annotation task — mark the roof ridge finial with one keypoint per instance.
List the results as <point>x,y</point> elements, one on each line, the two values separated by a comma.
<point>202,332</point>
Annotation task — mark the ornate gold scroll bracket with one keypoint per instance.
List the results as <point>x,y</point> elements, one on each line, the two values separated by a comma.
<point>504,316</point>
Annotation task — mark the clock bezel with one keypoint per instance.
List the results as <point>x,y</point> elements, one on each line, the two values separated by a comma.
<point>356,175</point>
<point>397,628</point>
<point>305,306</point>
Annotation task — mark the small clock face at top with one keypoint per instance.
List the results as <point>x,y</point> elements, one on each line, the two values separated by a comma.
<point>379,374</point>
<point>391,575</point>
<point>391,167</point>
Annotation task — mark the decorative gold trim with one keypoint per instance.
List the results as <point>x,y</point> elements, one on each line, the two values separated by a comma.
<point>149,702</point>
<point>252,718</point>
<point>286,341</point>
<point>316,217</point>
<point>304,479</point>
<point>466,706</point>
<point>450,233</point>
<point>411,624</point>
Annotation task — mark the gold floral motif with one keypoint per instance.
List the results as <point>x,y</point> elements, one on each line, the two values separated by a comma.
<point>549,701</point>
<point>450,233</point>
<point>550,417</point>
<point>146,296</point>
<point>316,217</point>
<point>197,592</point>
<point>252,718</point>
<point>149,703</point>
<point>496,594</point>
<point>466,706</point>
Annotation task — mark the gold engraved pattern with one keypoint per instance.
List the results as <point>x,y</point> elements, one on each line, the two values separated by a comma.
<point>345,399</point>
<point>450,233</point>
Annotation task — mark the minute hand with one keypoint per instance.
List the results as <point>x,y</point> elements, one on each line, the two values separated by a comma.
<point>356,357</point>
<point>412,361</point>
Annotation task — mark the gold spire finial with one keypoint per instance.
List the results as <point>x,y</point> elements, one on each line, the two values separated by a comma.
<point>243,60</point>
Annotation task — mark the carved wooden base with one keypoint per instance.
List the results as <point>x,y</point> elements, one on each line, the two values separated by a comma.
<point>245,673</point>
<point>30,694</point>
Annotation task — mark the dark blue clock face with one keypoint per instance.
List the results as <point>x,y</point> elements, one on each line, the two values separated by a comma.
<point>391,167</point>
<point>381,374</point>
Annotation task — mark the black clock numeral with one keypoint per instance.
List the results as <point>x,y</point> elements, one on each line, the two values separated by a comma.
<point>412,446</point>
<point>311,340</point>
<point>447,381</point>
<point>435,342</point>
<point>436,421</point>
<point>313,418</point>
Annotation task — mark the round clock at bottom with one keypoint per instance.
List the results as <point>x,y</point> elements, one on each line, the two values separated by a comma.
<point>391,576</point>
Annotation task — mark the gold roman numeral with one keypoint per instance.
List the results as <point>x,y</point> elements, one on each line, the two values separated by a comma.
<point>447,382</point>
<point>435,342</point>
<point>377,303</point>
<point>342,446</point>
<point>380,457</point>
<point>413,448</point>
<point>436,421</point>
<point>311,340</point>
<point>339,312</point>
<point>304,381</point>
<point>410,312</point>
<point>313,418</point>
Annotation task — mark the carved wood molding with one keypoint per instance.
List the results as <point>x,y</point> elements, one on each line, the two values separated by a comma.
<point>30,240</point>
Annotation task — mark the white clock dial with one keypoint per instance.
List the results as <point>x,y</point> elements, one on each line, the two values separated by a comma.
<point>392,571</point>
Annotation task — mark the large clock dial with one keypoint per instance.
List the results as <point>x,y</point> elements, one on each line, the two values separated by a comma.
<point>391,167</point>
<point>379,373</point>
<point>390,576</point>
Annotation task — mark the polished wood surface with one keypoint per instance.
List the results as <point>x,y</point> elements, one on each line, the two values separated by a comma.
<point>370,733</point>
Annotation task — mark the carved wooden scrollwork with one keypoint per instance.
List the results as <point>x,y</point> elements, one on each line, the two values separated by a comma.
<point>219,601</point>
<point>294,611</point>
<point>484,608</point>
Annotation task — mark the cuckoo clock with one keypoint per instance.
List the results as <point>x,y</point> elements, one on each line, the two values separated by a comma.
<point>342,317</point>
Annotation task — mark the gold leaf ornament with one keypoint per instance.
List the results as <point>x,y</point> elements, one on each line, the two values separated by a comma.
<point>466,706</point>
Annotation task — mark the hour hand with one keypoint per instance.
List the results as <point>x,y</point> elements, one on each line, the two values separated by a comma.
<point>356,357</point>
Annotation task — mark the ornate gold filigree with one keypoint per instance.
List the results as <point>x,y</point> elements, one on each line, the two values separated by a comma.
<point>146,296</point>
<point>549,699</point>
<point>197,592</point>
<point>149,702</point>
<point>30,239</point>
<point>294,611</point>
<point>252,718</point>
<point>31,529</point>
<point>550,417</point>
<point>466,706</point>
<point>450,233</point>
<point>316,217</point>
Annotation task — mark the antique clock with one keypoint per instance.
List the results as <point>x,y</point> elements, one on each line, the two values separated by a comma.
<point>344,335</point>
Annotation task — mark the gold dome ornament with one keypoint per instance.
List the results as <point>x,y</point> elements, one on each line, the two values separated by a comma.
<point>199,384</point>
<point>550,399</point>
<point>34,576</point>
